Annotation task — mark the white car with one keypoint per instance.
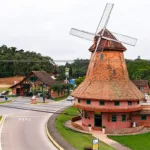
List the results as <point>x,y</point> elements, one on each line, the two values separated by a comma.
<point>70,98</point>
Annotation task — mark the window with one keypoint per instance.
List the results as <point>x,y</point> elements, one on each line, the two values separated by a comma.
<point>143,117</point>
<point>102,103</point>
<point>129,103</point>
<point>117,103</point>
<point>123,118</point>
<point>114,118</point>
<point>78,100</point>
<point>88,101</point>
<point>138,102</point>
<point>101,56</point>
<point>114,72</point>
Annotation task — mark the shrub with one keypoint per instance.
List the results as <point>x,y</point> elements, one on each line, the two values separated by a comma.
<point>88,148</point>
<point>89,125</point>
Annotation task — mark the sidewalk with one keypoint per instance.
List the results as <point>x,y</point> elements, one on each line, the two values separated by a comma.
<point>103,137</point>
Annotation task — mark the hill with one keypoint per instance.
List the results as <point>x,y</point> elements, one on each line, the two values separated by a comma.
<point>14,62</point>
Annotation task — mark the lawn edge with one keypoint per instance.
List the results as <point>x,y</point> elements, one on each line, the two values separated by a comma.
<point>51,127</point>
<point>1,120</point>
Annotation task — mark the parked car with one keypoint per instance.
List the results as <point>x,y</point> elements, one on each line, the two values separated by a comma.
<point>4,92</point>
<point>70,98</point>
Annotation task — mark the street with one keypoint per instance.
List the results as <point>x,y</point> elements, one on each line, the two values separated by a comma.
<point>25,129</point>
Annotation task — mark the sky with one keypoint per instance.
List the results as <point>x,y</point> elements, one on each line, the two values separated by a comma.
<point>43,26</point>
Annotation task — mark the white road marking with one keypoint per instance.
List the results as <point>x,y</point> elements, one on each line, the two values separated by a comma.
<point>1,127</point>
<point>24,119</point>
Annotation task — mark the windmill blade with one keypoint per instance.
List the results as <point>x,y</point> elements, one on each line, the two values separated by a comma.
<point>122,39</point>
<point>82,34</point>
<point>105,17</point>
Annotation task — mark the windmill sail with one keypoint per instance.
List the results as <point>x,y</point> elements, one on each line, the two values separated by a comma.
<point>82,34</point>
<point>105,17</point>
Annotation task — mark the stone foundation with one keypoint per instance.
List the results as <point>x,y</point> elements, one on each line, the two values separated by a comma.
<point>77,126</point>
<point>125,130</point>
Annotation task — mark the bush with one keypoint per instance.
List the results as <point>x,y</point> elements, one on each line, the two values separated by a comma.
<point>88,148</point>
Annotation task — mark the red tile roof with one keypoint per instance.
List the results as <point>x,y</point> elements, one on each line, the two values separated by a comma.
<point>140,83</point>
<point>101,83</point>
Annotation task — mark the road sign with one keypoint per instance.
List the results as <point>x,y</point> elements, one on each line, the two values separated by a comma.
<point>67,72</point>
<point>95,144</point>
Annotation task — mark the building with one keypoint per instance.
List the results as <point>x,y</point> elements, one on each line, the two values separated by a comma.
<point>34,82</point>
<point>142,85</point>
<point>107,97</point>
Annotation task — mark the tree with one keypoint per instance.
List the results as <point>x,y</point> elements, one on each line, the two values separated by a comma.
<point>79,80</point>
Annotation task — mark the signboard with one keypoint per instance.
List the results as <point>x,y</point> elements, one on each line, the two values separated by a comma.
<point>95,143</point>
<point>67,72</point>
<point>97,113</point>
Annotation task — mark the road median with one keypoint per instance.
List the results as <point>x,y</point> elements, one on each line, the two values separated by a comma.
<point>54,135</point>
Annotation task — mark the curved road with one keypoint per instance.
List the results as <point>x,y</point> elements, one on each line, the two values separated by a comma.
<point>25,129</point>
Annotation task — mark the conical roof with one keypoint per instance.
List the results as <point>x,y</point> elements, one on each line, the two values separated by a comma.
<point>107,77</point>
<point>107,45</point>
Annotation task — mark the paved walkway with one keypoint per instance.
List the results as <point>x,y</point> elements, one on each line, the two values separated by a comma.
<point>102,137</point>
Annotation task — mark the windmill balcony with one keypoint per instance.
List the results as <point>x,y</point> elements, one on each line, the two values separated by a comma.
<point>109,106</point>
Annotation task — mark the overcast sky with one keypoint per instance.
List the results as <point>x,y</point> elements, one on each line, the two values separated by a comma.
<point>43,25</point>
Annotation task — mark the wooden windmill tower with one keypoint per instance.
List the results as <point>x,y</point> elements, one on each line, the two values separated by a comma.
<point>107,88</point>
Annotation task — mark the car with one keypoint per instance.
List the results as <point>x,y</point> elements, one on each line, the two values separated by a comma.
<point>4,92</point>
<point>70,98</point>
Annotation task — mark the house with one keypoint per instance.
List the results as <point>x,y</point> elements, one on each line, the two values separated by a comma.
<point>142,85</point>
<point>34,82</point>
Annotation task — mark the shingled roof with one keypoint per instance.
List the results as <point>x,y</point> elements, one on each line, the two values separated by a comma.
<point>140,83</point>
<point>41,75</point>
<point>44,76</point>
<point>107,45</point>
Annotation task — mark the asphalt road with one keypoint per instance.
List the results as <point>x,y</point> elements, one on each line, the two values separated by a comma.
<point>25,129</point>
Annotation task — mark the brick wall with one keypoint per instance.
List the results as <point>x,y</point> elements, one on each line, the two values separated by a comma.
<point>76,125</point>
<point>125,130</point>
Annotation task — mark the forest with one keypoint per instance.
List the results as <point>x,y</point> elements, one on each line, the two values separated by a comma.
<point>137,69</point>
<point>14,62</point>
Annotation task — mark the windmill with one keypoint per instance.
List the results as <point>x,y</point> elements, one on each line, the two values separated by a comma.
<point>100,35</point>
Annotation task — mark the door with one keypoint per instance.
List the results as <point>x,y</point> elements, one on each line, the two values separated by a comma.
<point>18,91</point>
<point>98,120</point>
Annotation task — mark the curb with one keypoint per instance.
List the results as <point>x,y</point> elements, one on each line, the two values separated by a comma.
<point>53,132</point>
<point>52,140</point>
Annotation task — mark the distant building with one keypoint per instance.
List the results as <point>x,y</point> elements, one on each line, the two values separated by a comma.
<point>142,85</point>
<point>37,81</point>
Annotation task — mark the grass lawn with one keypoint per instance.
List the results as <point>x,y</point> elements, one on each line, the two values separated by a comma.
<point>60,98</point>
<point>78,140</point>
<point>0,118</point>
<point>5,102</point>
<point>5,89</point>
<point>135,142</point>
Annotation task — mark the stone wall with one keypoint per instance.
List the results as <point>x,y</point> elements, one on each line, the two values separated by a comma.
<point>125,130</point>
<point>77,126</point>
